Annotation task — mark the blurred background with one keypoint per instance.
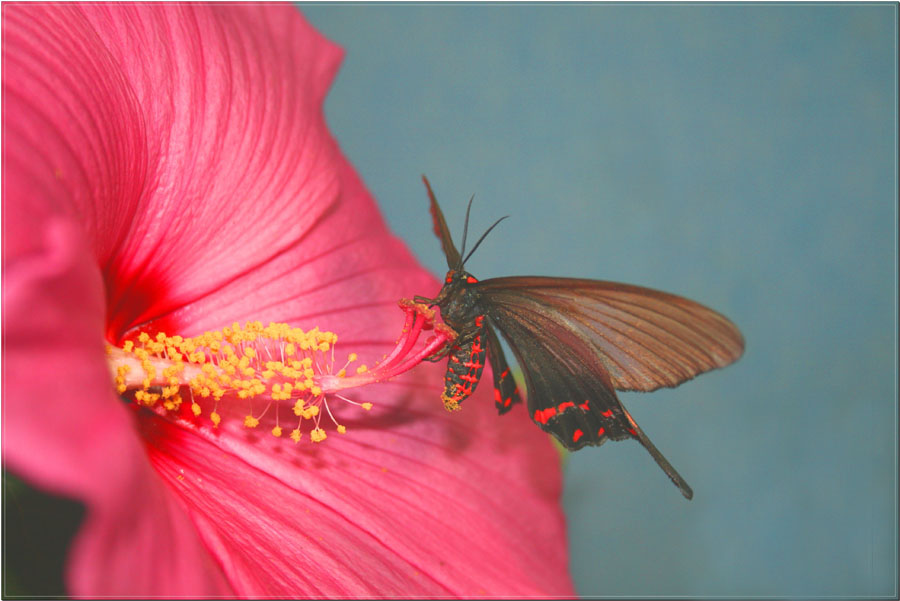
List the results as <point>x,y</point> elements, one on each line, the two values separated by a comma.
<point>740,155</point>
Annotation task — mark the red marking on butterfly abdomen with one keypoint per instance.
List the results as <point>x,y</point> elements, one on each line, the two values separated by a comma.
<point>464,370</point>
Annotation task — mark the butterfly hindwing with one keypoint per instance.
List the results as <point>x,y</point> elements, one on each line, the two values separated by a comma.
<point>569,391</point>
<point>506,393</point>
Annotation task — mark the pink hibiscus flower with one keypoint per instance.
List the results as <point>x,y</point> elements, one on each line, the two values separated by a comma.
<point>167,168</point>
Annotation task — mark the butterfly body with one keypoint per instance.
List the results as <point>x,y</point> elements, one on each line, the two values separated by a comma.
<point>576,341</point>
<point>460,309</point>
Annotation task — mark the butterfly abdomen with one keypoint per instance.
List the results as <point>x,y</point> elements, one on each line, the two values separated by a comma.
<point>464,367</point>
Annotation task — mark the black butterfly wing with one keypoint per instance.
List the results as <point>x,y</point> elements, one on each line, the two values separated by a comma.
<point>578,340</point>
<point>506,393</point>
<point>570,394</point>
<point>644,338</point>
<point>441,230</point>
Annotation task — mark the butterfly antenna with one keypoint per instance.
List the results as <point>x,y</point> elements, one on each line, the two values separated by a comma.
<point>465,232</point>
<point>483,236</point>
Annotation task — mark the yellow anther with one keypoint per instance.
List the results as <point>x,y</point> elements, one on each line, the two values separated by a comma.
<point>229,364</point>
<point>341,429</point>
<point>367,406</point>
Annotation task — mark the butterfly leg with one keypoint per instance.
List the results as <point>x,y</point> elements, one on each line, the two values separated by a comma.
<point>445,350</point>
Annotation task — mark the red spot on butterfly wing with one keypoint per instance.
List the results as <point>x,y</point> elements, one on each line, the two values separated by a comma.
<point>563,406</point>
<point>578,434</point>
<point>542,417</point>
<point>607,413</point>
<point>601,431</point>
<point>584,406</point>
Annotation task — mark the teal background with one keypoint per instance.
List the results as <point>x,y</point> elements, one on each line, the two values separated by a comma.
<point>741,155</point>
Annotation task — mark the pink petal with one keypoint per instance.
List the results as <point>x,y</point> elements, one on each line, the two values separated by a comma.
<point>410,502</point>
<point>187,144</point>
<point>66,430</point>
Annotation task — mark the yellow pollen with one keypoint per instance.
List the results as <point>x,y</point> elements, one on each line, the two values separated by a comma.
<point>277,364</point>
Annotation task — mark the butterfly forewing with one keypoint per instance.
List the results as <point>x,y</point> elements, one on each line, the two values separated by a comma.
<point>441,230</point>
<point>645,339</point>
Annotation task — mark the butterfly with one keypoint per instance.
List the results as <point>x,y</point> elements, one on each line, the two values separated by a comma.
<point>576,342</point>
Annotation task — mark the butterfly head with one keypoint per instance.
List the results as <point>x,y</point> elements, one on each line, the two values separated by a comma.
<point>455,282</point>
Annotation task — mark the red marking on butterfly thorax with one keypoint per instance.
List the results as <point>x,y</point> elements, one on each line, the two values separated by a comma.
<point>471,280</point>
<point>479,321</point>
